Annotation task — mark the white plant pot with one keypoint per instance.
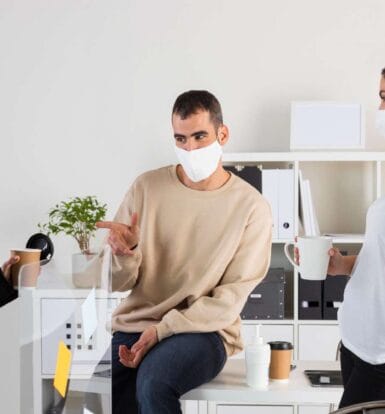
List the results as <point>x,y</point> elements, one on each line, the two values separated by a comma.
<point>80,277</point>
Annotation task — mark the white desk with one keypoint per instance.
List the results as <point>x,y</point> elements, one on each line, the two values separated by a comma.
<point>230,387</point>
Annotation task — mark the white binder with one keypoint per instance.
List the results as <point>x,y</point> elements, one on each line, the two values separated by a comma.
<point>285,204</point>
<point>278,189</point>
<point>270,192</point>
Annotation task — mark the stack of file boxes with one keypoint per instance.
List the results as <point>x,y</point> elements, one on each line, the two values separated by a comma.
<point>321,299</point>
<point>267,300</point>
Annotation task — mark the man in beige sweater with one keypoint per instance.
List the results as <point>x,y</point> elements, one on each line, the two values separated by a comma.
<point>191,242</point>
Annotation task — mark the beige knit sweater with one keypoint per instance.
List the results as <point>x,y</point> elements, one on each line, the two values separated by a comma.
<point>200,255</point>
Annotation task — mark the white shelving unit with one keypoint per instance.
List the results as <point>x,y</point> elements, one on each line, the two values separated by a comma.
<point>317,339</point>
<point>295,160</point>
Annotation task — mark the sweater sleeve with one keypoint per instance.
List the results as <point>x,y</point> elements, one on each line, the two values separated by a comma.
<point>7,292</point>
<point>247,268</point>
<point>125,269</point>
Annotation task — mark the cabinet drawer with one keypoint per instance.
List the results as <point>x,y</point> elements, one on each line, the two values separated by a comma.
<point>61,320</point>
<point>318,342</point>
<point>313,409</point>
<point>254,409</point>
<point>268,332</point>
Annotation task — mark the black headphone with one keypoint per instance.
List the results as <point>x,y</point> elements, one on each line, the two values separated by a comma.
<point>44,243</point>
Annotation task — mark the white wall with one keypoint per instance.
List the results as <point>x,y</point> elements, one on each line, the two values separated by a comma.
<point>86,88</point>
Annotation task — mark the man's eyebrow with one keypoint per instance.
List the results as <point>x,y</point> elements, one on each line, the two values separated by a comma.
<point>194,134</point>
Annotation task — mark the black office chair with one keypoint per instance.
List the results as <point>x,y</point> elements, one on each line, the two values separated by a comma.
<point>372,407</point>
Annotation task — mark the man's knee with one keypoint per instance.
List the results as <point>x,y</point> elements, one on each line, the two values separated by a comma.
<point>153,389</point>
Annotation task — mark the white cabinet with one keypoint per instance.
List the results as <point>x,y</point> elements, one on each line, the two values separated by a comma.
<point>254,409</point>
<point>314,409</point>
<point>61,319</point>
<point>268,332</point>
<point>318,342</point>
<point>190,407</point>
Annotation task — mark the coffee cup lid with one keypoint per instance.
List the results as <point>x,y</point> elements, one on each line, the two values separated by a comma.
<point>44,243</point>
<point>280,345</point>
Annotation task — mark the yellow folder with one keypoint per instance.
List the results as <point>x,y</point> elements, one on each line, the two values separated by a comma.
<point>63,366</point>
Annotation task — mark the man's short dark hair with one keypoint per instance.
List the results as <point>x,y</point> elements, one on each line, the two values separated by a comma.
<point>383,72</point>
<point>191,102</point>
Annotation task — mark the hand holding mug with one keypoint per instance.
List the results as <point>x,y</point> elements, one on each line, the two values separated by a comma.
<point>6,268</point>
<point>336,264</point>
<point>314,256</point>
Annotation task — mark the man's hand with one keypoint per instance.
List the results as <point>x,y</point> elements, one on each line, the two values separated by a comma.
<point>6,268</point>
<point>122,238</point>
<point>337,265</point>
<point>131,358</point>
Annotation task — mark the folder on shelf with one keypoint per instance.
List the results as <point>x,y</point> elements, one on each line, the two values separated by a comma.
<point>270,192</point>
<point>286,204</point>
<point>351,236</point>
<point>303,206</point>
<point>250,174</point>
<point>307,213</point>
<point>313,216</point>
<point>278,189</point>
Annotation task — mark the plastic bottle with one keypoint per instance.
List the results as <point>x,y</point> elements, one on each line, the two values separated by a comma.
<point>257,362</point>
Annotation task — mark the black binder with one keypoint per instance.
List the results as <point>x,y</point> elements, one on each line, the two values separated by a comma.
<point>250,174</point>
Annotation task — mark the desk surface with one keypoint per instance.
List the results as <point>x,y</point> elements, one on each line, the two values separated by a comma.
<point>230,386</point>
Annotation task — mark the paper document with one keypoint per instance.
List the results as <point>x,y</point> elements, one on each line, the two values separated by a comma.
<point>63,366</point>
<point>89,316</point>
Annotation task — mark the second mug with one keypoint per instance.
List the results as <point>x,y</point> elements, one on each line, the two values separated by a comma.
<point>313,256</point>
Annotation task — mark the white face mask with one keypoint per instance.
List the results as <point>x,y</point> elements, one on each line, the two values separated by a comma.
<point>200,163</point>
<point>380,122</point>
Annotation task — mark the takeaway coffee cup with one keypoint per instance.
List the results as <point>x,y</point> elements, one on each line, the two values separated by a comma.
<point>28,267</point>
<point>280,360</point>
<point>313,256</point>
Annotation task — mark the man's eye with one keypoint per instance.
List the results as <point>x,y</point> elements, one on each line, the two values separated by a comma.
<point>179,139</point>
<point>199,137</point>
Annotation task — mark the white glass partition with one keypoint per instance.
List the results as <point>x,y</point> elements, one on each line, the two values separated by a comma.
<point>57,314</point>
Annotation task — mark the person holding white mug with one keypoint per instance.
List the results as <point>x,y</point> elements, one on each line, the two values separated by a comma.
<point>315,256</point>
<point>362,314</point>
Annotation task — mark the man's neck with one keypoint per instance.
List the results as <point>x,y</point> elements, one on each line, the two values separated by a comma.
<point>215,181</point>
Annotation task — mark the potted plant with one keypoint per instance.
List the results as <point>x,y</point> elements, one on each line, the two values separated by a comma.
<point>76,217</point>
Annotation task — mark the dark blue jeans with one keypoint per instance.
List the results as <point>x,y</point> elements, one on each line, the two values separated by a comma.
<point>363,382</point>
<point>172,367</point>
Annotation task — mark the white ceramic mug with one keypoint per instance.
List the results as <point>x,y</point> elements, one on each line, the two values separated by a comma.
<point>313,256</point>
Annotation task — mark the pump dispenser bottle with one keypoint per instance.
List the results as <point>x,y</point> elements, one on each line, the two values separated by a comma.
<point>257,362</point>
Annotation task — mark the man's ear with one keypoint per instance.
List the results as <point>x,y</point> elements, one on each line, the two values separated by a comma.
<point>223,134</point>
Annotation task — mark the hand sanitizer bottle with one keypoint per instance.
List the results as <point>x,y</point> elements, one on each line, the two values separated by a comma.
<point>257,362</point>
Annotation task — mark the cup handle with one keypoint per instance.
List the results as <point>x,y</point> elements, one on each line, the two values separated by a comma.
<point>287,254</point>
